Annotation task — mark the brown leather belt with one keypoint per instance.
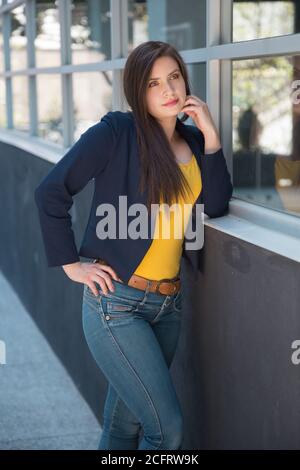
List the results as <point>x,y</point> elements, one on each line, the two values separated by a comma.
<point>168,286</point>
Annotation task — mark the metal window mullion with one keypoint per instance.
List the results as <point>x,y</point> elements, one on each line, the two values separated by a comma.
<point>64,7</point>
<point>7,68</point>
<point>7,7</point>
<point>213,36</point>
<point>118,37</point>
<point>256,48</point>
<point>69,68</point>
<point>226,85</point>
<point>32,90</point>
<point>124,49</point>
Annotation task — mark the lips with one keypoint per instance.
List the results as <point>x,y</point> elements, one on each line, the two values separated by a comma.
<point>171,103</point>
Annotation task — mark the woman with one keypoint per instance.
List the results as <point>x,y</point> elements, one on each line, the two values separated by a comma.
<point>131,309</point>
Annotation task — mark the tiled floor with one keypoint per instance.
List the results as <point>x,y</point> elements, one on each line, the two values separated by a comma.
<point>40,407</point>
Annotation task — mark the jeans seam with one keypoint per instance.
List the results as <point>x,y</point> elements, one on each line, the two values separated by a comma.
<point>138,378</point>
<point>112,417</point>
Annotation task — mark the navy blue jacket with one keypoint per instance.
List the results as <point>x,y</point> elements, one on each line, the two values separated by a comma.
<point>107,152</point>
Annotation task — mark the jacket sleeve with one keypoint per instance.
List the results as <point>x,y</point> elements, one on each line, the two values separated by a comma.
<point>217,185</point>
<point>82,162</point>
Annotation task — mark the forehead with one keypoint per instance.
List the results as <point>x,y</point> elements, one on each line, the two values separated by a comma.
<point>163,66</point>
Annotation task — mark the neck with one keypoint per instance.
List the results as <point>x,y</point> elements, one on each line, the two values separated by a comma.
<point>169,126</point>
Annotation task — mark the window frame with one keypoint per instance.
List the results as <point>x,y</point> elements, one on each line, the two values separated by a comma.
<point>217,55</point>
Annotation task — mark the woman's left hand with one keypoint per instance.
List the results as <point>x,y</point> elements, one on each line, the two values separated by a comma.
<point>199,112</point>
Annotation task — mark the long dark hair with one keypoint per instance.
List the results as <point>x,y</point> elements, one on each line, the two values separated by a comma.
<point>160,175</point>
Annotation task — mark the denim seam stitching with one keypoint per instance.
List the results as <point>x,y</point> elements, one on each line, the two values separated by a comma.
<point>112,418</point>
<point>136,375</point>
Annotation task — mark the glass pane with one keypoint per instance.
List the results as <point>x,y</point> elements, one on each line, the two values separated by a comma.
<point>182,24</point>
<point>90,31</point>
<point>18,39</point>
<point>92,93</point>
<point>50,108</point>
<point>256,19</point>
<point>20,103</point>
<point>197,76</point>
<point>1,47</point>
<point>47,42</point>
<point>2,104</point>
<point>266,132</point>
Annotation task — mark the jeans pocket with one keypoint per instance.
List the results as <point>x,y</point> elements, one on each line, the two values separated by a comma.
<point>119,308</point>
<point>87,292</point>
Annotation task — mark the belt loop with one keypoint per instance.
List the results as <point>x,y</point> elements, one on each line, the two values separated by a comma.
<point>148,286</point>
<point>145,293</point>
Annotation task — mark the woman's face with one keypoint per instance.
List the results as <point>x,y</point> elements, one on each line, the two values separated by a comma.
<point>167,86</point>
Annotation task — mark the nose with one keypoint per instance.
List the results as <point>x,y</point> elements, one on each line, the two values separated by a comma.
<point>168,89</point>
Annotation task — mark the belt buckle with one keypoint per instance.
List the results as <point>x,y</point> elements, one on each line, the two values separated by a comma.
<point>164,280</point>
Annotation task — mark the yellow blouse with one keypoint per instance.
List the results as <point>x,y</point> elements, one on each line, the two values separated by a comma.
<point>162,260</point>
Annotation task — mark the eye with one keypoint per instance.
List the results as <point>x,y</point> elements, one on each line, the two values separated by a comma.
<point>176,75</point>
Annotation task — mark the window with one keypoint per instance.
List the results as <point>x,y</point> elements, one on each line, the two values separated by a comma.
<point>266,130</point>
<point>90,31</point>
<point>62,61</point>
<point>49,100</point>
<point>1,46</point>
<point>197,75</point>
<point>181,23</point>
<point>263,19</point>
<point>17,39</point>
<point>92,98</point>
<point>47,41</point>
<point>20,103</point>
<point>2,104</point>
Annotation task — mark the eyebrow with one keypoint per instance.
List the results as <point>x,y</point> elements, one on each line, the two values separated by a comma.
<point>168,75</point>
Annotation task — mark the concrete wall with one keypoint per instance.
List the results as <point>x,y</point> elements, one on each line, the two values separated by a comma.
<point>232,369</point>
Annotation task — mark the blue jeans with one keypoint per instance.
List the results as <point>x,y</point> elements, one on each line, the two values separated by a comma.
<point>132,335</point>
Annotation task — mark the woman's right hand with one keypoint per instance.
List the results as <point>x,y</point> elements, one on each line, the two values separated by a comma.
<point>89,272</point>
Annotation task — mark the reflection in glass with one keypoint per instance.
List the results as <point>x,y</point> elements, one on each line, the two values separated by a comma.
<point>18,39</point>
<point>182,24</point>
<point>197,78</point>
<point>47,42</point>
<point>90,31</point>
<point>266,130</point>
<point>92,98</point>
<point>260,19</point>
<point>20,103</point>
<point>50,108</point>
<point>1,47</point>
